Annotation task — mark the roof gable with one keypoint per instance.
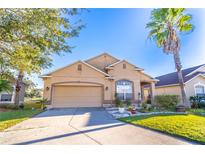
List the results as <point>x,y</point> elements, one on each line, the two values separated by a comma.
<point>82,62</point>
<point>101,61</point>
<point>130,67</point>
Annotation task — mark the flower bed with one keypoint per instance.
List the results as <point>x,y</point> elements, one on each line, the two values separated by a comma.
<point>116,114</point>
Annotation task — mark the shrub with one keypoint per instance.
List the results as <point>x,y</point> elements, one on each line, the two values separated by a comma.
<point>144,105</point>
<point>167,101</point>
<point>117,102</point>
<point>149,101</point>
<point>197,102</point>
<point>21,106</point>
<point>201,104</point>
<point>195,105</point>
<point>8,106</point>
<point>128,102</point>
<point>130,108</point>
<point>121,104</point>
<point>32,105</point>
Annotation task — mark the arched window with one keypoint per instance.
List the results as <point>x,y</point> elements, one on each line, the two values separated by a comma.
<point>124,90</point>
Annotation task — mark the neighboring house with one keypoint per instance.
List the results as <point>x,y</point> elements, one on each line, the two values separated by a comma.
<point>94,83</point>
<point>8,97</point>
<point>194,79</point>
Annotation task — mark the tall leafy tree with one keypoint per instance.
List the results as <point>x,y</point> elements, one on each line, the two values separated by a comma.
<point>5,86</point>
<point>28,38</point>
<point>5,72</point>
<point>165,26</point>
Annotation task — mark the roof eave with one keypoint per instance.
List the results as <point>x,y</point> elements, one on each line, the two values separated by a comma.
<point>45,76</point>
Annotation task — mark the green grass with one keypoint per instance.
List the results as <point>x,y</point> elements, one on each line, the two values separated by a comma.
<point>191,127</point>
<point>10,118</point>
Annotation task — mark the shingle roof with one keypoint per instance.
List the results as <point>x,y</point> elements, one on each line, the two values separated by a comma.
<point>172,78</point>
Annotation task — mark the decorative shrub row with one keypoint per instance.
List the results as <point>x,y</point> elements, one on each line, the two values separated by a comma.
<point>197,101</point>
<point>167,101</point>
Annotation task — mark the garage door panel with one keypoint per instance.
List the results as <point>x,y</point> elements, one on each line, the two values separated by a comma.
<point>71,96</point>
<point>77,91</point>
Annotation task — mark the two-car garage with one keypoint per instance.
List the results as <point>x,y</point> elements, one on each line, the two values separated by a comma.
<point>76,96</point>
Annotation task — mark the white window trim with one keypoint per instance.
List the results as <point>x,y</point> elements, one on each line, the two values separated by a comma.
<point>12,98</point>
<point>198,84</point>
<point>124,93</point>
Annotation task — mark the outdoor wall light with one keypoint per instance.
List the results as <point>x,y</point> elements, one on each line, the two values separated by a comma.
<point>106,88</point>
<point>47,88</point>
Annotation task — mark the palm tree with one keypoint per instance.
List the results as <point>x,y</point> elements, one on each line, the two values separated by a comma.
<point>165,26</point>
<point>5,86</point>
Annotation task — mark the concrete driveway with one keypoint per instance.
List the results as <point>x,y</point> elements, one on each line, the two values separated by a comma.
<point>81,126</point>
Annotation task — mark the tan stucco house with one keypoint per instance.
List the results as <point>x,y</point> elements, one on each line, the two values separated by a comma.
<point>94,82</point>
<point>194,79</point>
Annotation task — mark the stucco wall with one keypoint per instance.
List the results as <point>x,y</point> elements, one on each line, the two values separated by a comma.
<point>129,74</point>
<point>189,88</point>
<point>71,74</point>
<point>102,61</point>
<point>173,90</point>
<point>190,91</point>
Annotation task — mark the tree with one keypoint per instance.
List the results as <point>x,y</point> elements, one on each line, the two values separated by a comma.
<point>166,26</point>
<point>33,93</point>
<point>5,86</point>
<point>5,72</point>
<point>28,38</point>
<point>32,90</point>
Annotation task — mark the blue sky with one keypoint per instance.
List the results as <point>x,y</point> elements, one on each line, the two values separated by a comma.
<point>122,33</point>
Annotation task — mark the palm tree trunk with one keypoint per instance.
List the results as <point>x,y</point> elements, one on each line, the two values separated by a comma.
<point>19,83</point>
<point>180,78</point>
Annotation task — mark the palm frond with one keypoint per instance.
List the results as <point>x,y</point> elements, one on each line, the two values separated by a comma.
<point>166,24</point>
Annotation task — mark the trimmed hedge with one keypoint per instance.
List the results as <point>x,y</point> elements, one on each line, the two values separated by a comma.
<point>29,105</point>
<point>8,106</point>
<point>167,101</point>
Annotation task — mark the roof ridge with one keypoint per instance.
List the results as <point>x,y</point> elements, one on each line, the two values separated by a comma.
<point>104,53</point>
<point>124,60</point>
<point>94,67</point>
<point>46,74</point>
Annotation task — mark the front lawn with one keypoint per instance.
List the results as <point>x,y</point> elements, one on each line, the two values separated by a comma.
<point>191,127</point>
<point>10,118</point>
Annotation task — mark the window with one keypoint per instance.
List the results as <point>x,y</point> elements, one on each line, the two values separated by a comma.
<point>199,89</point>
<point>79,67</point>
<point>6,97</point>
<point>124,90</point>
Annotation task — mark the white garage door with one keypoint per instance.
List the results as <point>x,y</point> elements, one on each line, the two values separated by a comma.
<point>77,96</point>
